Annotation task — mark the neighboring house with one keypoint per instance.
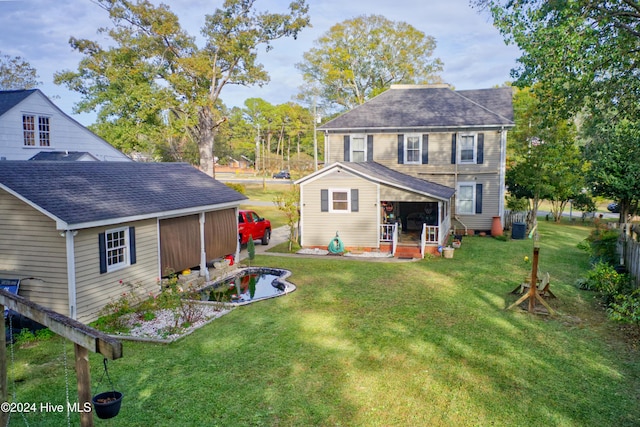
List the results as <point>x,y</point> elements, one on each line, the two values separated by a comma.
<point>31,124</point>
<point>64,156</point>
<point>78,230</point>
<point>400,158</point>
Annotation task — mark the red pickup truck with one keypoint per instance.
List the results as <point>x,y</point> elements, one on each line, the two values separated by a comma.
<point>251,224</point>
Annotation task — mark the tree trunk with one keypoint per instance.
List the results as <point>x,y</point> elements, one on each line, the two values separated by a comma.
<point>206,140</point>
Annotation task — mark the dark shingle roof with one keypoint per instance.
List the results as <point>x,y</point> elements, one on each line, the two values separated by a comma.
<point>106,192</point>
<point>11,98</point>
<point>63,156</point>
<point>417,107</point>
<point>382,174</point>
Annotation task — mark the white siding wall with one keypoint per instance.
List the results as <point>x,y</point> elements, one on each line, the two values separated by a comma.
<point>356,229</point>
<point>95,290</point>
<point>439,169</point>
<point>30,247</point>
<point>66,134</point>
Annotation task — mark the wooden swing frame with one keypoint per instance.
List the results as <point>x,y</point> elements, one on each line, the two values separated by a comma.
<point>84,337</point>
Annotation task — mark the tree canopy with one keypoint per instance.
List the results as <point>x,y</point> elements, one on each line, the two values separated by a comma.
<point>155,83</point>
<point>361,57</point>
<point>16,73</point>
<point>583,52</point>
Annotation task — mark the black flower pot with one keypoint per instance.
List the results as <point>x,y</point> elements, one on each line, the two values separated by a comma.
<point>107,404</point>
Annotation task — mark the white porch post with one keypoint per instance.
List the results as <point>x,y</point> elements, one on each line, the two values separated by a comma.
<point>203,254</point>
<point>71,271</point>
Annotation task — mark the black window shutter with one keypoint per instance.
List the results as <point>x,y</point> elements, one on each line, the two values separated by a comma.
<point>425,149</point>
<point>480,154</point>
<point>354,200</point>
<point>102,248</point>
<point>400,149</point>
<point>324,200</point>
<point>369,148</point>
<point>478,198</point>
<point>347,148</point>
<point>132,245</point>
<point>453,148</point>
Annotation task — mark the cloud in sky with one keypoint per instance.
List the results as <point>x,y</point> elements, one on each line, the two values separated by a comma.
<point>472,50</point>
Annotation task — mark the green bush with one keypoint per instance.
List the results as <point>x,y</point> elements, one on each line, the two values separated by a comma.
<point>601,245</point>
<point>240,188</point>
<point>625,308</point>
<point>603,278</point>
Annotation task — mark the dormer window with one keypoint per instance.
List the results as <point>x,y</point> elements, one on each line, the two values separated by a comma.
<point>36,137</point>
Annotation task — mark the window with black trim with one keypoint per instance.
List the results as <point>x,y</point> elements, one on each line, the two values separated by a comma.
<point>358,148</point>
<point>339,200</point>
<point>117,248</point>
<point>467,148</point>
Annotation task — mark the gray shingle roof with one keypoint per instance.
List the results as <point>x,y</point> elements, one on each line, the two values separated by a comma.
<point>11,98</point>
<point>88,192</point>
<point>429,107</point>
<point>62,156</point>
<point>382,174</point>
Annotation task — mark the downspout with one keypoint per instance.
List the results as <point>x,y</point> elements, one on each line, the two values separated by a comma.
<point>237,256</point>
<point>326,147</point>
<point>71,271</point>
<point>503,171</point>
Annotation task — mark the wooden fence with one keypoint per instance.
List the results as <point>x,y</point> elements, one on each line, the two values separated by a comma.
<point>629,250</point>
<point>511,217</point>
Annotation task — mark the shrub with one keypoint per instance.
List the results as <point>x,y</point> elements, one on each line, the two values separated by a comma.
<point>601,245</point>
<point>240,188</point>
<point>625,308</point>
<point>603,278</point>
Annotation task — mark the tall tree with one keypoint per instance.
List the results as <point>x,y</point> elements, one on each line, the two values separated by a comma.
<point>16,73</point>
<point>155,69</point>
<point>584,52</point>
<point>544,161</point>
<point>361,57</point>
<point>613,149</point>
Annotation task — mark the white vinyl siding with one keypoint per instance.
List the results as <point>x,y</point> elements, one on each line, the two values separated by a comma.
<point>55,131</point>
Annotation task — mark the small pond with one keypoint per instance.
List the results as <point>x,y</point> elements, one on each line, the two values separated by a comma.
<point>249,285</point>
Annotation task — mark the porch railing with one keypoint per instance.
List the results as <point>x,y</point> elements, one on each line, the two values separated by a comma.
<point>389,233</point>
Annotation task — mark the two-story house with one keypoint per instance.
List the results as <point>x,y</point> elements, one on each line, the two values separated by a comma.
<point>33,127</point>
<point>409,167</point>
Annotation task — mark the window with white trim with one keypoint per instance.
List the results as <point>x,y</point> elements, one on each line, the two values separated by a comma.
<point>467,148</point>
<point>32,136</point>
<point>358,148</point>
<point>466,198</point>
<point>339,200</point>
<point>413,149</point>
<point>117,247</point>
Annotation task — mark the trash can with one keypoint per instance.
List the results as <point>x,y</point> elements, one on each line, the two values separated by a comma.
<point>518,230</point>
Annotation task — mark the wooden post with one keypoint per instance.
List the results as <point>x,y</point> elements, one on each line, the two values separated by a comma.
<point>4,392</point>
<point>83,375</point>
<point>533,289</point>
<point>84,337</point>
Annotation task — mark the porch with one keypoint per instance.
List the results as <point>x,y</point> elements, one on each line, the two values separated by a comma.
<point>412,229</point>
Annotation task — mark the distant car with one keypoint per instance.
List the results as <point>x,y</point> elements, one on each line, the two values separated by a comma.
<point>613,207</point>
<point>282,175</point>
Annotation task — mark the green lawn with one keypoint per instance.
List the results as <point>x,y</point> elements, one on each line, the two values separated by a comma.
<point>362,343</point>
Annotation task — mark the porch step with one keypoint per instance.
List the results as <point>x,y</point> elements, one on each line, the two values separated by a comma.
<point>408,252</point>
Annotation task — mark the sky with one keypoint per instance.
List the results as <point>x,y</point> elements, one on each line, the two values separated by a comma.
<point>474,53</point>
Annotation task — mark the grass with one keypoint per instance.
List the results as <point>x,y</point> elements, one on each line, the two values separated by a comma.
<point>378,344</point>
